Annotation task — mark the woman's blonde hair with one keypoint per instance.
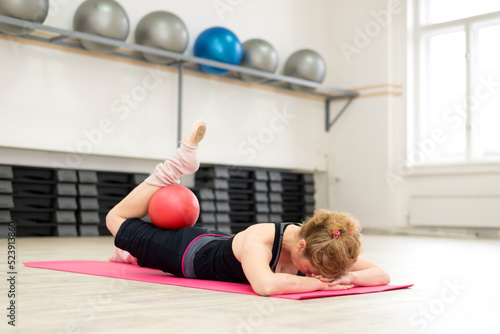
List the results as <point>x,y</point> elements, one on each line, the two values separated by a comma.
<point>332,242</point>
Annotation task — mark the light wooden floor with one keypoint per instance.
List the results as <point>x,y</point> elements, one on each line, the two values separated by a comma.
<point>457,290</point>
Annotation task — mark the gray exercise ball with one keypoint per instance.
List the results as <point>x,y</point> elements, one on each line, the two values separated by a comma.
<point>162,30</point>
<point>260,55</point>
<point>30,10</point>
<point>305,64</point>
<point>105,18</point>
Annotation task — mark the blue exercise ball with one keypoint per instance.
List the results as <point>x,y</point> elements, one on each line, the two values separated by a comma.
<point>219,44</point>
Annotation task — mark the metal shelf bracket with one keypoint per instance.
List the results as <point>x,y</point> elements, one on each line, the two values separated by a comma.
<point>328,123</point>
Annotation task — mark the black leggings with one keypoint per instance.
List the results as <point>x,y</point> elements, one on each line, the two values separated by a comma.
<point>155,247</point>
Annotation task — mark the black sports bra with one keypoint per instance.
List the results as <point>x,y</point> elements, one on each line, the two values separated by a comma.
<point>278,243</point>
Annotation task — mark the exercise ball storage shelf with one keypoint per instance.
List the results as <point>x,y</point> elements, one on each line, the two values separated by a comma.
<point>66,38</point>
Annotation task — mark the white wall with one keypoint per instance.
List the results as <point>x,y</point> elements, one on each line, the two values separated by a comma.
<point>368,172</point>
<point>360,141</point>
<point>64,108</point>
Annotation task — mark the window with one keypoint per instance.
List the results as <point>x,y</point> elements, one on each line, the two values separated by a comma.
<point>455,110</point>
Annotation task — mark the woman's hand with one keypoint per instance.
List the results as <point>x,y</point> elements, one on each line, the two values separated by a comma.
<point>362,273</point>
<point>343,280</point>
<point>330,287</point>
<point>346,279</point>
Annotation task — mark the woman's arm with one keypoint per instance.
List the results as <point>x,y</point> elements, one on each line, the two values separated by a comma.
<point>364,273</point>
<point>255,258</point>
<point>134,205</point>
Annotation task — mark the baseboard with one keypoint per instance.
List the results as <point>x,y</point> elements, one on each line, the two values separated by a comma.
<point>442,232</point>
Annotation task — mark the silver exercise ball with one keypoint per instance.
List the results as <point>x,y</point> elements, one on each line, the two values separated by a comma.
<point>30,10</point>
<point>305,64</point>
<point>105,18</point>
<point>162,30</point>
<point>260,55</point>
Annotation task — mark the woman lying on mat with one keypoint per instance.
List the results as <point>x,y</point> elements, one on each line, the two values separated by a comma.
<point>280,258</point>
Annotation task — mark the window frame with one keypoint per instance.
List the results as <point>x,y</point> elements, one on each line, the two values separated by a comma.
<point>418,35</point>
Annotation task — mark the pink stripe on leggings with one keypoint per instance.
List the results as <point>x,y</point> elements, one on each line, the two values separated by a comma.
<point>191,243</point>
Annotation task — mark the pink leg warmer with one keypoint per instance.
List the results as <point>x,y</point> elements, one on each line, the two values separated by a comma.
<point>184,162</point>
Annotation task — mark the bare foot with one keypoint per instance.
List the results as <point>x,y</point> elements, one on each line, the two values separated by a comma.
<point>119,255</point>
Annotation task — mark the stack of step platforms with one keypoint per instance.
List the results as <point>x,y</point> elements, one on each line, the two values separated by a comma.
<point>212,190</point>
<point>42,201</point>
<point>60,202</point>
<point>233,198</point>
<point>88,205</point>
<point>6,200</point>
<point>297,196</point>
<point>112,187</point>
<point>243,189</point>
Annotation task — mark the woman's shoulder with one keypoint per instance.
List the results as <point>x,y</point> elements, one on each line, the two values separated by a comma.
<point>267,229</point>
<point>260,228</point>
<point>263,232</point>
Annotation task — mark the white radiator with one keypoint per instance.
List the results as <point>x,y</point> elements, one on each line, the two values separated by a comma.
<point>455,210</point>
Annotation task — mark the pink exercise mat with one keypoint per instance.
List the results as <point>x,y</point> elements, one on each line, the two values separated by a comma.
<point>135,273</point>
